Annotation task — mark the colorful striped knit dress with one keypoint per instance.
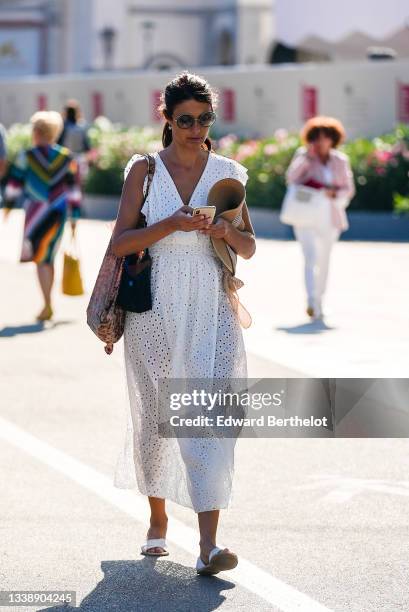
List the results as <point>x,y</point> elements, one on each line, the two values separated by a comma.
<point>47,177</point>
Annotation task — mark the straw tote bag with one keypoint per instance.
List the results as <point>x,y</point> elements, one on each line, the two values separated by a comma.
<point>71,277</point>
<point>104,316</point>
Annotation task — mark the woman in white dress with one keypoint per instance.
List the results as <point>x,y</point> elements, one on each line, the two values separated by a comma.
<point>192,330</point>
<point>321,166</point>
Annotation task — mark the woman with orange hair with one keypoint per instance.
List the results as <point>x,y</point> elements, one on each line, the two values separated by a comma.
<point>319,165</point>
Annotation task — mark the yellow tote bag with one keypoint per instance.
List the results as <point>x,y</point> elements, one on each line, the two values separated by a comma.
<point>71,278</point>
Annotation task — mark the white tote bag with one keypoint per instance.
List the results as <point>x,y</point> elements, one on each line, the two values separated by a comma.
<point>305,207</point>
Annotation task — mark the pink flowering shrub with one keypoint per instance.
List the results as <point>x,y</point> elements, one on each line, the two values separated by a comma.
<point>380,165</point>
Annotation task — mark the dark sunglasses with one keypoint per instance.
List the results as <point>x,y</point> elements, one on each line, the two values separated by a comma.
<point>187,121</point>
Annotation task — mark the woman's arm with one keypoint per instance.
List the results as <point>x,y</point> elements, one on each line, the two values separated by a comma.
<point>243,242</point>
<point>16,178</point>
<point>346,187</point>
<point>74,195</point>
<point>125,238</point>
<point>3,152</point>
<point>299,166</point>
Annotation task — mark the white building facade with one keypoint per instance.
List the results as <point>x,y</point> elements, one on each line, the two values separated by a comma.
<point>71,36</point>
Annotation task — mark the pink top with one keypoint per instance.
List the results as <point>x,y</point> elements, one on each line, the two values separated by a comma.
<point>304,168</point>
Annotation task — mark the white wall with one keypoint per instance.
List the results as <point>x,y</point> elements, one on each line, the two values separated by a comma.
<point>362,95</point>
<point>256,33</point>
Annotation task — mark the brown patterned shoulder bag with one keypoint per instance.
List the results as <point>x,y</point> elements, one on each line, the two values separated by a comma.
<point>104,315</point>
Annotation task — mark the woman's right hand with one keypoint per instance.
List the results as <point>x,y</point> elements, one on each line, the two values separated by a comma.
<point>184,221</point>
<point>311,151</point>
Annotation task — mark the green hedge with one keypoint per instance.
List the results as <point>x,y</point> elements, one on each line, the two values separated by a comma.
<point>380,165</point>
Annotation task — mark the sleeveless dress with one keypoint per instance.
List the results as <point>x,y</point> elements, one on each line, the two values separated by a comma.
<point>191,332</point>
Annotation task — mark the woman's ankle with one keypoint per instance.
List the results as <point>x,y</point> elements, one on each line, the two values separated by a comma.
<point>207,543</point>
<point>158,521</point>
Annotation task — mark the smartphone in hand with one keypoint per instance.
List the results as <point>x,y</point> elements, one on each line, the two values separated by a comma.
<point>208,211</point>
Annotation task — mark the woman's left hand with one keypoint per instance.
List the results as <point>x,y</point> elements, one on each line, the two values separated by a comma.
<point>219,229</point>
<point>331,193</point>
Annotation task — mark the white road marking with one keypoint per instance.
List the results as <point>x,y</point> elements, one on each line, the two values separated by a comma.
<point>343,489</point>
<point>254,579</point>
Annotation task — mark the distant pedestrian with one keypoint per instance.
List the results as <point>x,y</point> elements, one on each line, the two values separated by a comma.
<point>3,157</point>
<point>320,165</point>
<point>74,136</point>
<point>47,176</point>
<point>3,152</point>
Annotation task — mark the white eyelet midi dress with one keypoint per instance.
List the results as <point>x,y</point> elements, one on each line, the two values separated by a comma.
<point>191,332</point>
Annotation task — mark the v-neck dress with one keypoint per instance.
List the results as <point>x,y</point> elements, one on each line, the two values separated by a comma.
<point>191,332</point>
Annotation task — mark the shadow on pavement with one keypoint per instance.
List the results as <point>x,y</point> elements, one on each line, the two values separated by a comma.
<point>31,328</point>
<point>151,585</point>
<point>313,327</point>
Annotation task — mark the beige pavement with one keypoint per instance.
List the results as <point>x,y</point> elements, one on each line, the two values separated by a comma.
<point>365,334</point>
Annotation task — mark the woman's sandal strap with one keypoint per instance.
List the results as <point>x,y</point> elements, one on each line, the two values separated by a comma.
<point>155,543</point>
<point>214,551</point>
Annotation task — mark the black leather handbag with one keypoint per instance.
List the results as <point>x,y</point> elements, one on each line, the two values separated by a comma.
<point>134,293</point>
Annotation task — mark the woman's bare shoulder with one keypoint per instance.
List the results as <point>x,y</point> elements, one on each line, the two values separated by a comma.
<point>136,167</point>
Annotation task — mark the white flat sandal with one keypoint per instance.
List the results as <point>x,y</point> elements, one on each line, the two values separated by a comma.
<point>218,561</point>
<point>158,542</point>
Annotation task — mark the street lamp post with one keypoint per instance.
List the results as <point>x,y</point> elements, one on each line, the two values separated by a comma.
<point>108,35</point>
<point>147,36</point>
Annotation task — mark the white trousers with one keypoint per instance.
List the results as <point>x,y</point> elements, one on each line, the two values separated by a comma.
<point>316,247</point>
